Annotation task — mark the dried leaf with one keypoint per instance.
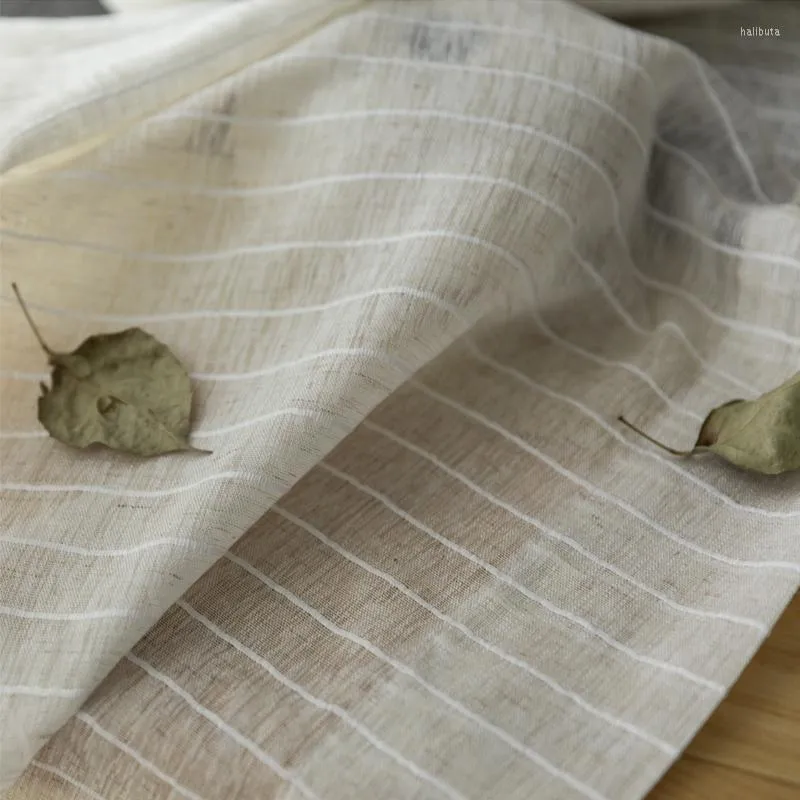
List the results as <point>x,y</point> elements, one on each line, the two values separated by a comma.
<point>124,390</point>
<point>761,435</point>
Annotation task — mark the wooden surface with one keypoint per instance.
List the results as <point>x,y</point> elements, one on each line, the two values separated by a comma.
<point>750,748</point>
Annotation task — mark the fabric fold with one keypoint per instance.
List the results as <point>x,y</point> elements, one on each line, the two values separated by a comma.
<point>417,256</point>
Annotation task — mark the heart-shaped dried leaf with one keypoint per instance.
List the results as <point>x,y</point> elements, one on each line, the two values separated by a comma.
<point>761,435</point>
<point>124,390</point>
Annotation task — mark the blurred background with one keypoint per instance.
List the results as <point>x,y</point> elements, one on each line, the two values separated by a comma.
<point>50,8</point>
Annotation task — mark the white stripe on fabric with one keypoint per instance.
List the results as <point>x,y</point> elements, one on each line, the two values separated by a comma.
<point>520,663</point>
<point>108,552</point>
<point>415,176</point>
<point>575,619</point>
<point>317,702</point>
<point>66,616</point>
<point>87,719</point>
<point>598,492</point>
<point>40,691</point>
<point>563,538</point>
<point>501,734</point>
<point>243,741</point>
<point>462,69</point>
<point>70,780</point>
<point>626,441</point>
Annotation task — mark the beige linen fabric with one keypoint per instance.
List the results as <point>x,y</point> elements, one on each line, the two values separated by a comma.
<point>418,256</point>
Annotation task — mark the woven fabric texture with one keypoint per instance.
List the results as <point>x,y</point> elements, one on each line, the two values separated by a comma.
<point>417,256</point>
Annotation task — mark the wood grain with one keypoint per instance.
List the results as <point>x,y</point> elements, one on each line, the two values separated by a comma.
<point>750,747</point>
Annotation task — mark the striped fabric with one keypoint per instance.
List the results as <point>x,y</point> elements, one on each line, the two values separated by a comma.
<point>418,256</point>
